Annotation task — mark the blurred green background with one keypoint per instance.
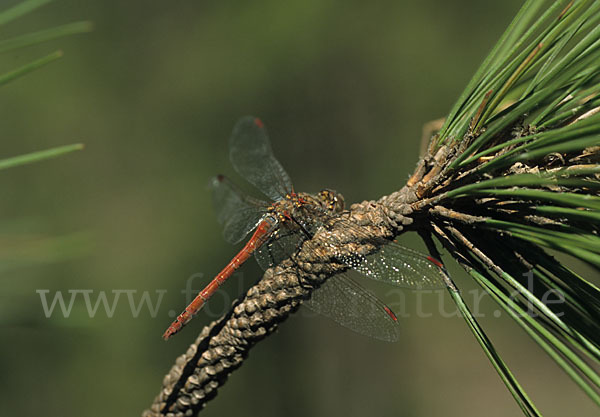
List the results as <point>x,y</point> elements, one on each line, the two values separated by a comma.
<point>344,88</point>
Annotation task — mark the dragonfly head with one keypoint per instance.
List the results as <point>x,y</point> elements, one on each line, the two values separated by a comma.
<point>332,200</point>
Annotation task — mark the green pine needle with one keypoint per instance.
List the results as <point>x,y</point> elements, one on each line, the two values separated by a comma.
<point>39,156</point>
<point>44,35</point>
<point>29,39</point>
<point>25,69</point>
<point>20,9</point>
<point>518,162</point>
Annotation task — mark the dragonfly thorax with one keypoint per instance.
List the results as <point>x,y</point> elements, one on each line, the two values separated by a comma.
<point>295,205</point>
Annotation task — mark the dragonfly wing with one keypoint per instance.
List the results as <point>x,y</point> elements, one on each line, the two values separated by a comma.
<point>237,212</point>
<point>399,266</point>
<point>285,241</point>
<point>354,307</point>
<point>251,155</point>
<point>238,226</point>
<point>280,246</point>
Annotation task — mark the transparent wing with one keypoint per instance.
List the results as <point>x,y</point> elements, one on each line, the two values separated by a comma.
<point>281,245</point>
<point>237,212</point>
<point>400,266</point>
<point>286,241</point>
<point>354,307</point>
<point>251,155</point>
<point>389,262</point>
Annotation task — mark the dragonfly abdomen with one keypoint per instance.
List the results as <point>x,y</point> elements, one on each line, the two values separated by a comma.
<point>263,231</point>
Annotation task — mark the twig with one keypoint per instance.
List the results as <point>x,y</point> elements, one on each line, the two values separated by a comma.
<point>223,345</point>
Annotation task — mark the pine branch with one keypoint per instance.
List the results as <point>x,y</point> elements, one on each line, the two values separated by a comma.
<point>512,174</point>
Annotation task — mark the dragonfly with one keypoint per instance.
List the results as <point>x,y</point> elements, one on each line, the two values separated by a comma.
<point>282,224</point>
